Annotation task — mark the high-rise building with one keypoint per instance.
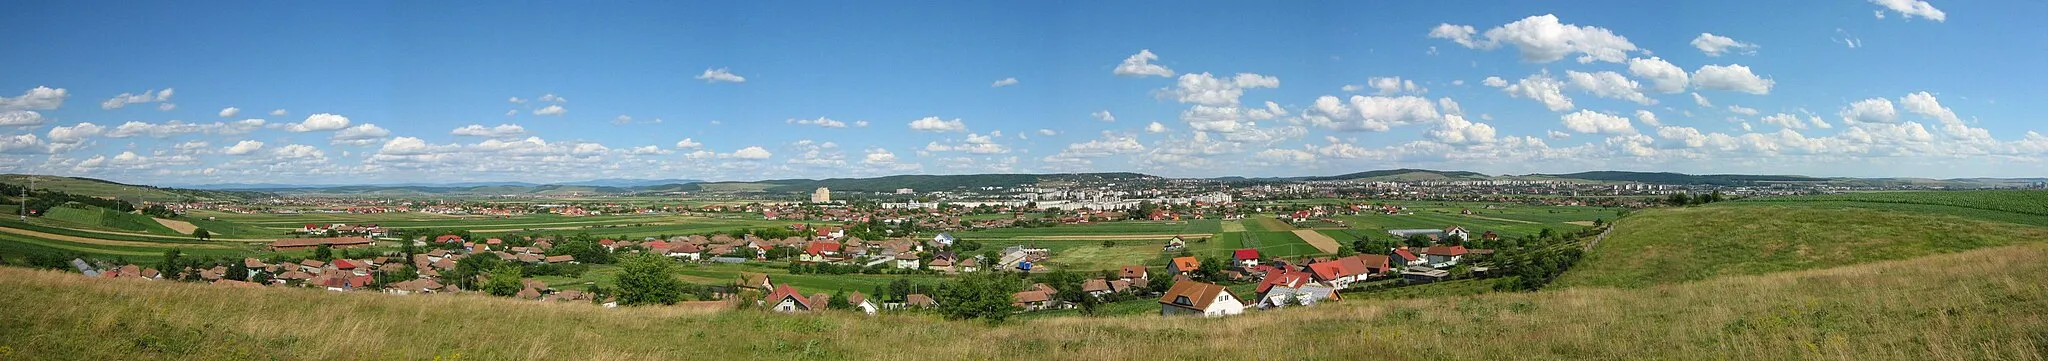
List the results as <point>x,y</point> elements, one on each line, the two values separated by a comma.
<point>823,195</point>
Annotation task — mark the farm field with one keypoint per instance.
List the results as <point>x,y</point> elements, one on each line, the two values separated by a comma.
<point>1665,246</point>
<point>106,219</point>
<point>1146,228</point>
<point>2012,201</point>
<point>1906,309</point>
<point>723,274</point>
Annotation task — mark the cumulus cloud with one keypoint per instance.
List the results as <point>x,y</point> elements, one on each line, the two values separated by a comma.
<point>1737,109</point>
<point>245,147</point>
<point>1543,89</point>
<point>1590,122</point>
<point>230,112</point>
<point>295,151</point>
<point>1393,85</point>
<point>1155,127</point>
<point>75,133</point>
<point>20,118</point>
<point>1494,81</point>
<point>1911,8</point>
<point>1787,121</point>
<point>1647,118</point>
<point>1048,132</point>
<point>688,143</point>
<point>361,135</point>
<point>879,156</point>
<point>149,96</point>
<point>1701,100</point>
<point>1103,115</point>
<point>975,144</point>
<point>1873,110</point>
<point>1543,39</point>
<point>1663,76</point>
<point>1611,85</point>
<point>751,153</point>
<point>1371,113</point>
<point>279,113</point>
<point>1206,89</point>
<point>720,75</point>
<point>174,127</point>
<point>1456,130</point>
<point>500,131</point>
<point>1003,83</point>
<point>1287,156</point>
<point>821,121</point>
<point>1140,65</point>
<point>1731,78</point>
<point>22,143</point>
<point>1715,45</point>
<point>318,122</point>
<point>39,98</point>
<point>1107,146</point>
<point>552,109</point>
<point>936,125</point>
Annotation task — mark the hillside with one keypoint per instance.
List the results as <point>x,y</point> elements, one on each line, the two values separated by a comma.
<point>1975,305</point>
<point>934,182</point>
<point>1401,175</point>
<point>129,192</point>
<point>1663,246</point>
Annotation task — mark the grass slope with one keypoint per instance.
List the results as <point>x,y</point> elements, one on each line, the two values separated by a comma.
<point>1696,243</point>
<point>1978,305</point>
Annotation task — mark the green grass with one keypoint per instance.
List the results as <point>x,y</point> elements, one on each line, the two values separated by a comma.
<point>107,219</point>
<point>1696,243</point>
<point>1138,307</point>
<point>1464,287</point>
<point>1279,244</point>
<point>722,274</point>
<point>230,229</point>
<point>2012,201</point>
<point>1106,228</point>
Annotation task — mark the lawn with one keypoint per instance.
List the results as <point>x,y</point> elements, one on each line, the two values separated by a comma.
<point>1664,246</point>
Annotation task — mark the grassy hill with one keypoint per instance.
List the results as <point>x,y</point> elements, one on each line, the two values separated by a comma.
<point>101,188</point>
<point>1401,175</point>
<point>1684,179</point>
<point>89,217</point>
<point>923,183</point>
<point>1754,237</point>
<point>1976,305</point>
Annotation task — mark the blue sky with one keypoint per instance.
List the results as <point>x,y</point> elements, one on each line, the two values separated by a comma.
<point>380,93</point>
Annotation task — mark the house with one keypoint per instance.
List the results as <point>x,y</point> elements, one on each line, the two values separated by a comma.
<point>1443,257</point>
<point>1402,257</point>
<point>1096,287</point>
<point>862,303</point>
<point>756,281</point>
<point>1134,273</point>
<point>1246,258</point>
<point>292,244</point>
<point>1183,265</point>
<point>1375,263</point>
<point>1196,298</point>
<point>1457,231</point>
<point>560,259</point>
<point>1176,244</point>
<point>1424,275</point>
<point>1339,273</point>
<point>686,251</point>
<point>786,299</point>
<point>1293,288</point>
<point>1032,300</point>
<point>820,251</point>
<point>907,261</point>
<point>919,300</point>
<point>944,239</point>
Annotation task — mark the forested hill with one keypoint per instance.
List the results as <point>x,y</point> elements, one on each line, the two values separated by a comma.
<point>1683,179</point>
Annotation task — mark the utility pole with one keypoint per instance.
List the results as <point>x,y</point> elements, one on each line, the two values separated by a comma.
<point>24,197</point>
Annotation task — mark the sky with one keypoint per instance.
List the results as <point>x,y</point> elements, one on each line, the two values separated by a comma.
<point>410,92</point>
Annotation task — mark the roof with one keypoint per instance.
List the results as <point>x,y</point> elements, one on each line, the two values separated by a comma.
<point>1094,285</point>
<point>1030,296</point>
<point>1134,272</point>
<point>1191,295</point>
<point>1245,254</point>
<point>1404,254</point>
<point>314,242</point>
<point>856,298</point>
<point>785,291</point>
<point>1287,279</point>
<point>1187,263</point>
<point>560,258</point>
<point>1375,261</point>
<point>749,279</point>
<point>1444,251</point>
<point>919,299</point>
<point>1338,268</point>
<point>822,247</point>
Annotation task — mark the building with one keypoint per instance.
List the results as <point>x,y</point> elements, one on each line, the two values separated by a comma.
<point>289,244</point>
<point>905,191</point>
<point>786,299</point>
<point>1183,265</point>
<point>822,195</point>
<point>1196,298</point>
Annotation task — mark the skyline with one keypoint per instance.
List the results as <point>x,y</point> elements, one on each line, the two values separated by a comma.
<point>529,92</point>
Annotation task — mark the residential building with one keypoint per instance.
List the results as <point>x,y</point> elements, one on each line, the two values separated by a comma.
<point>1197,298</point>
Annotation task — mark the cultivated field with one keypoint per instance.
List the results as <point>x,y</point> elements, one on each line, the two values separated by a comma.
<point>1973,305</point>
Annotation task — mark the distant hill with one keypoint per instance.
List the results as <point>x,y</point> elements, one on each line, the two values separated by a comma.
<point>1401,175</point>
<point>923,183</point>
<point>620,182</point>
<point>129,192</point>
<point>1682,179</point>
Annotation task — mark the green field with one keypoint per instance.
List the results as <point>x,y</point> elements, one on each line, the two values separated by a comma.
<point>1742,238</point>
<point>1199,226</point>
<point>2009,201</point>
<point>106,219</point>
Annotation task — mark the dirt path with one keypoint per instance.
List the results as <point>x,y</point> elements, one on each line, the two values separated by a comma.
<point>1502,219</point>
<point>1580,223</point>
<point>1321,241</point>
<point>176,225</point>
<point>106,242</point>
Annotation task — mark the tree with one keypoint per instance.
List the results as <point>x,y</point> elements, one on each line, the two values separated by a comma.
<point>202,234</point>
<point>504,281</point>
<point>323,253</point>
<point>1346,252</point>
<point>1211,269</point>
<point>1159,283</point>
<point>171,264</point>
<point>237,271</point>
<point>985,296</point>
<point>898,290</point>
<point>466,270</point>
<point>1069,286</point>
<point>401,274</point>
<point>646,279</point>
<point>1678,199</point>
<point>838,301</point>
<point>1417,240</point>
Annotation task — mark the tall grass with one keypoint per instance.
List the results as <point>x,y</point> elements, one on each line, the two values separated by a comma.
<point>1983,304</point>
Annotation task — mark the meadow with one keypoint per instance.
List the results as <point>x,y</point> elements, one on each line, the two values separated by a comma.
<point>1979,304</point>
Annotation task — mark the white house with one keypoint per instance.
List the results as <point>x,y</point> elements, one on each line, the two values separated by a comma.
<point>862,303</point>
<point>1196,298</point>
<point>1444,257</point>
<point>786,299</point>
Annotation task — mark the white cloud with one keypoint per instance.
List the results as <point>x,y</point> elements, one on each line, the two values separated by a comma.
<point>934,124</point>
<point>1107,146</point>
<point>39,98</point>
<point>1737,109</point>
<point>1589,122</point>
<point>688,143</point>
<point>1450,107</point>
<point>1557,134</point>
<point>1543,39</point>
<point>720,75</point>
<point>1873,110</point>
<point>1701,100</point>
<point>22,143</point>
<point>174,127</point>
<point>1103,115</point>
<point>279,113</point>
<point>1611,85</point>
<point>821,121</point>
<point>1681,137</point>
<point>1289,156</point>
<point>1494,81</point>
<point>1911,8</point>
<point>75,133</point>
<point>361,135</point>
<point>1371,113</point>
<point>551,109</point>
<point>1544,89</point>
<point>1206,89</point>
<point>1731,78</point>
<point>1456,130</point>
<point>20,118</point>
<point>752,153</point>
<point>1155,127</point>
<point>1648,118</point>
<point>1351,88</point>
<point>516,100</point>
<point>879,156</point>
<point>245,147</point>
<point>1393,85</point>
<point>1715,45</point>
<point>552,98</point>
<point>1003,83</point>
<point>1787,121</point>
<point>975,144</point>
<point>1663,76</point>
<point>294,151</point>
<point>230,112</point>
<point>318,122</point>
<point>1048,132</point>
<point>149,96</point>
<point>500,131</point>
<point>1140,65</point>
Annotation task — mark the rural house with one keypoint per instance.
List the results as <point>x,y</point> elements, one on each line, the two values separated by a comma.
<point>1197,298</point>
<point>786,299</point>
<point>1183,265</point>
<point>1246,258</point>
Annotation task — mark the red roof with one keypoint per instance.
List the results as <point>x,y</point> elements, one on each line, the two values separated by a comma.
<point>1404,254</point>
<point>1444,251</point>
<point>448,238</point>
<point>785,291</point>
<point>820,247</point>
<point>344,264</point>
<point>1245,254</point>
<point>1185,264</point>
<point>1337,268</point>
<point>1375,262</point>
<point>1290,279</point>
